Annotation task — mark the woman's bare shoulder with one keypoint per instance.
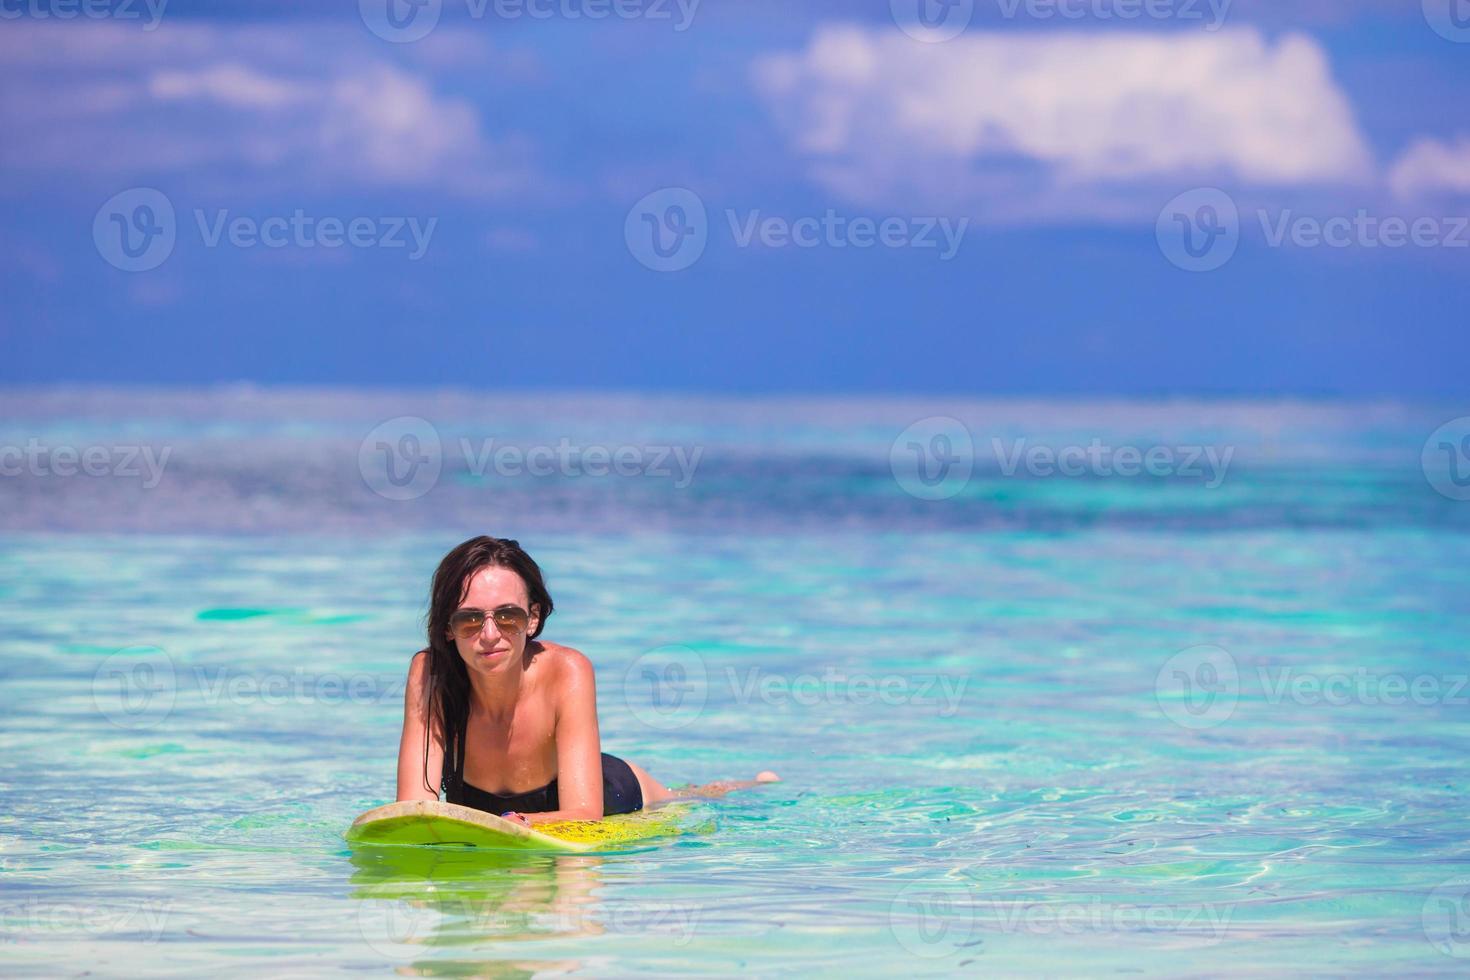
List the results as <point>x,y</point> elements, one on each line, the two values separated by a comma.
<point>564,662</point>
<point>418,668</point>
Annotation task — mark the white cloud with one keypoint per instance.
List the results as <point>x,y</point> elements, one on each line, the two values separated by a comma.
<point>233,85</point>
<point>1041,122</point>
<point>244,108</point>
<point>1430,167</point>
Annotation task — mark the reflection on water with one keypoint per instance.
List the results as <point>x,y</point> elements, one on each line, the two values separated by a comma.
<point>452,896</point>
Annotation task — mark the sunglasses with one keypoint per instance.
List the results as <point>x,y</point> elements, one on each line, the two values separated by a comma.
<point>510,620</point>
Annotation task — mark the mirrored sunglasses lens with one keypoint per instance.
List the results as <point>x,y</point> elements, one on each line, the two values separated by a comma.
<point>510,620</point>
<point>466,624</point>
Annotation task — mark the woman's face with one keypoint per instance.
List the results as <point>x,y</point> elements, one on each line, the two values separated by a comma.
<point>490,650</point>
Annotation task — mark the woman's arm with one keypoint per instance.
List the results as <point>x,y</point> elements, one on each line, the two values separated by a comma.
<point>412,744</point>
<point>578,745</point>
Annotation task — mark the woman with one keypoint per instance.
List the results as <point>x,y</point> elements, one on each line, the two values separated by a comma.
<point>502,721</point>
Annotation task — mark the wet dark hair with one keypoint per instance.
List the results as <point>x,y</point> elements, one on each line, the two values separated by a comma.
<point>447,693</point>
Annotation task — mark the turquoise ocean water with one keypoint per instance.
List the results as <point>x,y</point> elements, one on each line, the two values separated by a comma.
<point>1180,723</point>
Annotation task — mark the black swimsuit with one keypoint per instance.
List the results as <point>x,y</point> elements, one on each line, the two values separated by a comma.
<point>620,793</point>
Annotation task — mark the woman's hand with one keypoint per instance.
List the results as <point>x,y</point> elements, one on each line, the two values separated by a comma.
<point>519,818</point>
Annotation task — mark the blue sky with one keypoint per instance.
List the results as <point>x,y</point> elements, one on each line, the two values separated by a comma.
<point>1065,155</point>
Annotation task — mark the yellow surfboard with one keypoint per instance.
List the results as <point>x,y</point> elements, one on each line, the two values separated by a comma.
<point>430,822</point>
